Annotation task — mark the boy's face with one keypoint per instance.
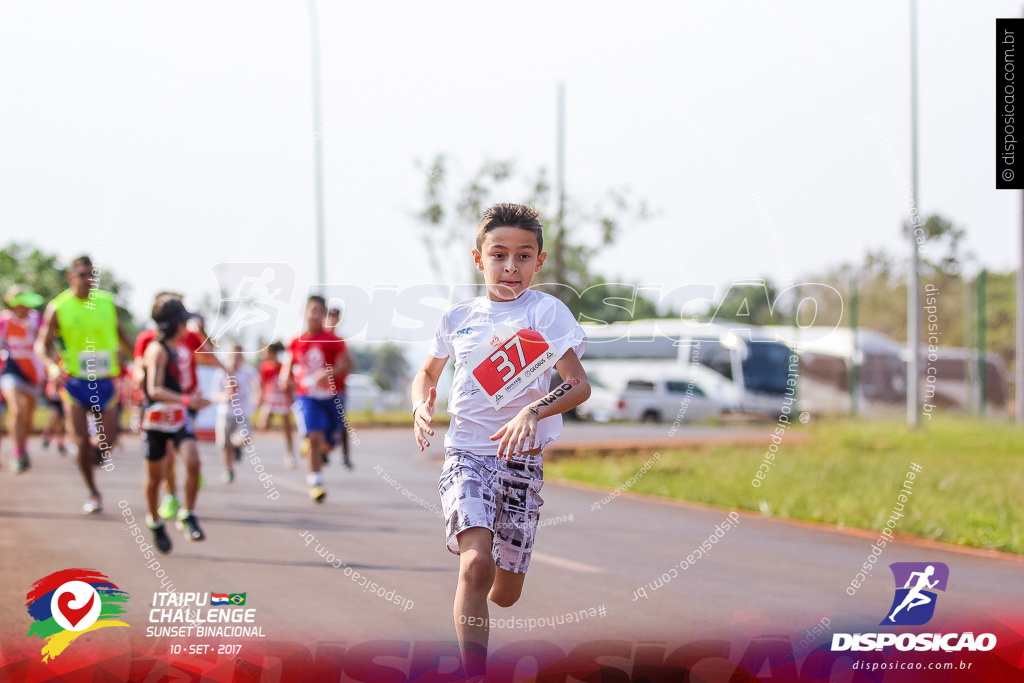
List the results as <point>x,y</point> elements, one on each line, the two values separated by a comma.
<point>508,259</point>
<point>315,312</point>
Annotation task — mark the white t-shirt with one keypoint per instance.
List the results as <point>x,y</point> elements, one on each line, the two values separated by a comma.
<point>248,382</point>
<point>473,323</point>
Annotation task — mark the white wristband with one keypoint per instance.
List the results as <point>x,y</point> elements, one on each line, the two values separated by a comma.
<point>416,406</point>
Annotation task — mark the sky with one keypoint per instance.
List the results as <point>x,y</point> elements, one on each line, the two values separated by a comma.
<point>768,139</point>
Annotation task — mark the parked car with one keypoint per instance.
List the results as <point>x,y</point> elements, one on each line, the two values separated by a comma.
<point>666,400</point>
<point>649,398</point>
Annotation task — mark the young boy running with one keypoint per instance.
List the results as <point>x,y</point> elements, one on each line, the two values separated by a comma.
<point>166,420</point>
<point>319,361</point>
<point>274,401</point>
<point>505,345</point>
<point>190,349</point>
<point>236,399</point>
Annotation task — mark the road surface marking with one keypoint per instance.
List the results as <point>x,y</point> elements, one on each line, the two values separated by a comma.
<point>567,564</point>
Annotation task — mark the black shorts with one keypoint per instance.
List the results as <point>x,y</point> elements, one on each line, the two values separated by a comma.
<point>154,443</point>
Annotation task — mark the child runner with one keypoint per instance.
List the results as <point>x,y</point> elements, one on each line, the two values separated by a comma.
<point>166,419</point>
<point>191,349</point>
<point>505,345</point>
<point>318,362</point>
<point>275,401</point>
<point>236,399</point>
<point>341,434</point>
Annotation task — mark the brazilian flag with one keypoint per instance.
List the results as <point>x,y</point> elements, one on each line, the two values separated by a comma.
<point>237,598</point>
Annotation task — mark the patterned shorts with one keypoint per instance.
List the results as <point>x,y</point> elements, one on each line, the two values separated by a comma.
<point>502,496</point>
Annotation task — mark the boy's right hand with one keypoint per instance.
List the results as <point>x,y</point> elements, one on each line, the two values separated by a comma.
<point>423,418</point>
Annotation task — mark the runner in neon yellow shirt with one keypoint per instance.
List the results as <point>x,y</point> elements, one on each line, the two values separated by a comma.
<point>85,318</point>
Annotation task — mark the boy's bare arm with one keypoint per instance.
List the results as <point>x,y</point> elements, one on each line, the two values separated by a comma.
<point>520,433</point>
<point>424,395</point>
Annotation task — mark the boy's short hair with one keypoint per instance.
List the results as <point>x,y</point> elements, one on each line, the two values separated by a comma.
<point>276,347</point>
<point>507,215</point>
<point>316,299</point>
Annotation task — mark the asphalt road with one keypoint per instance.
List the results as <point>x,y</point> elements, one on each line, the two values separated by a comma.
<point>761,576</point>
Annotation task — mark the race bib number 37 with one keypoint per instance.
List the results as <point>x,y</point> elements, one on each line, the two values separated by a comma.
<point>510,362</point>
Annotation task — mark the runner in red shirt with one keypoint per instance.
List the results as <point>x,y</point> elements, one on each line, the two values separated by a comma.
<point>319,361</point>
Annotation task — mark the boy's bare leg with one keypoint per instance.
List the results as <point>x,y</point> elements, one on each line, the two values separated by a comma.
<point>170,471</point>
<point>317,448</point>
<point>154,474</point>
<point>190,453</point>
<point>507,588</point>
<point>476,579</point>
<point>286,420</point>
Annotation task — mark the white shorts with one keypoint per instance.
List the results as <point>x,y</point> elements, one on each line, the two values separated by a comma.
<point>496,494</point>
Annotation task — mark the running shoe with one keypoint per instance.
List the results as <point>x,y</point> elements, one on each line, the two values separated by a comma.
<point>190,525</point>
<point>46,440</point>
<point>23,462</point>
<point>93,504</point>
<point>17,465</point>
<point>160,538</point>
<point>289,461</point>
<point>168,507</point>
<point>347,462</point>
<point>317,493</point>
<point>228,476</point>
<point>63,451</point>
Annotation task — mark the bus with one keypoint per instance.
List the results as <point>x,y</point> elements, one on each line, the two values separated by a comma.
<point>745,369</point>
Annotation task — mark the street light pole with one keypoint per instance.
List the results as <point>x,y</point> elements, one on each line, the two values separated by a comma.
<point>913,293</point>
<point>318,154</point>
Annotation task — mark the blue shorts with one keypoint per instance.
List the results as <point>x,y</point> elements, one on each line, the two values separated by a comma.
<point>90,393</point>
<point>318,415</point>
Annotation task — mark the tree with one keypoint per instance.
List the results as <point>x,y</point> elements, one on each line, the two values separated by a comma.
<point>385,363</point>
<point>24,264</point>
<point>450,221</point>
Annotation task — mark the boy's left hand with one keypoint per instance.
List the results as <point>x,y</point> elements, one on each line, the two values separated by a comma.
<point>518,435</point>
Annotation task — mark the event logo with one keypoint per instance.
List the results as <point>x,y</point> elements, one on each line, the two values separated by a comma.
<point>68,603</point>
<point>914,602</point>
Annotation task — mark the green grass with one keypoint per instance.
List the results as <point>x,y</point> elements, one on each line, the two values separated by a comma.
<point>848,474</point>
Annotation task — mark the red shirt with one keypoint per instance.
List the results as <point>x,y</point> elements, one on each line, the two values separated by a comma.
<point>311,353</point>
<point>185,350</point>
<point>270,370</point>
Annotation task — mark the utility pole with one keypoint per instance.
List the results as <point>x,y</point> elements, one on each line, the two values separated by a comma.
<point>913,287</point>
<point>318,153</point>
<point>560,231</point>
